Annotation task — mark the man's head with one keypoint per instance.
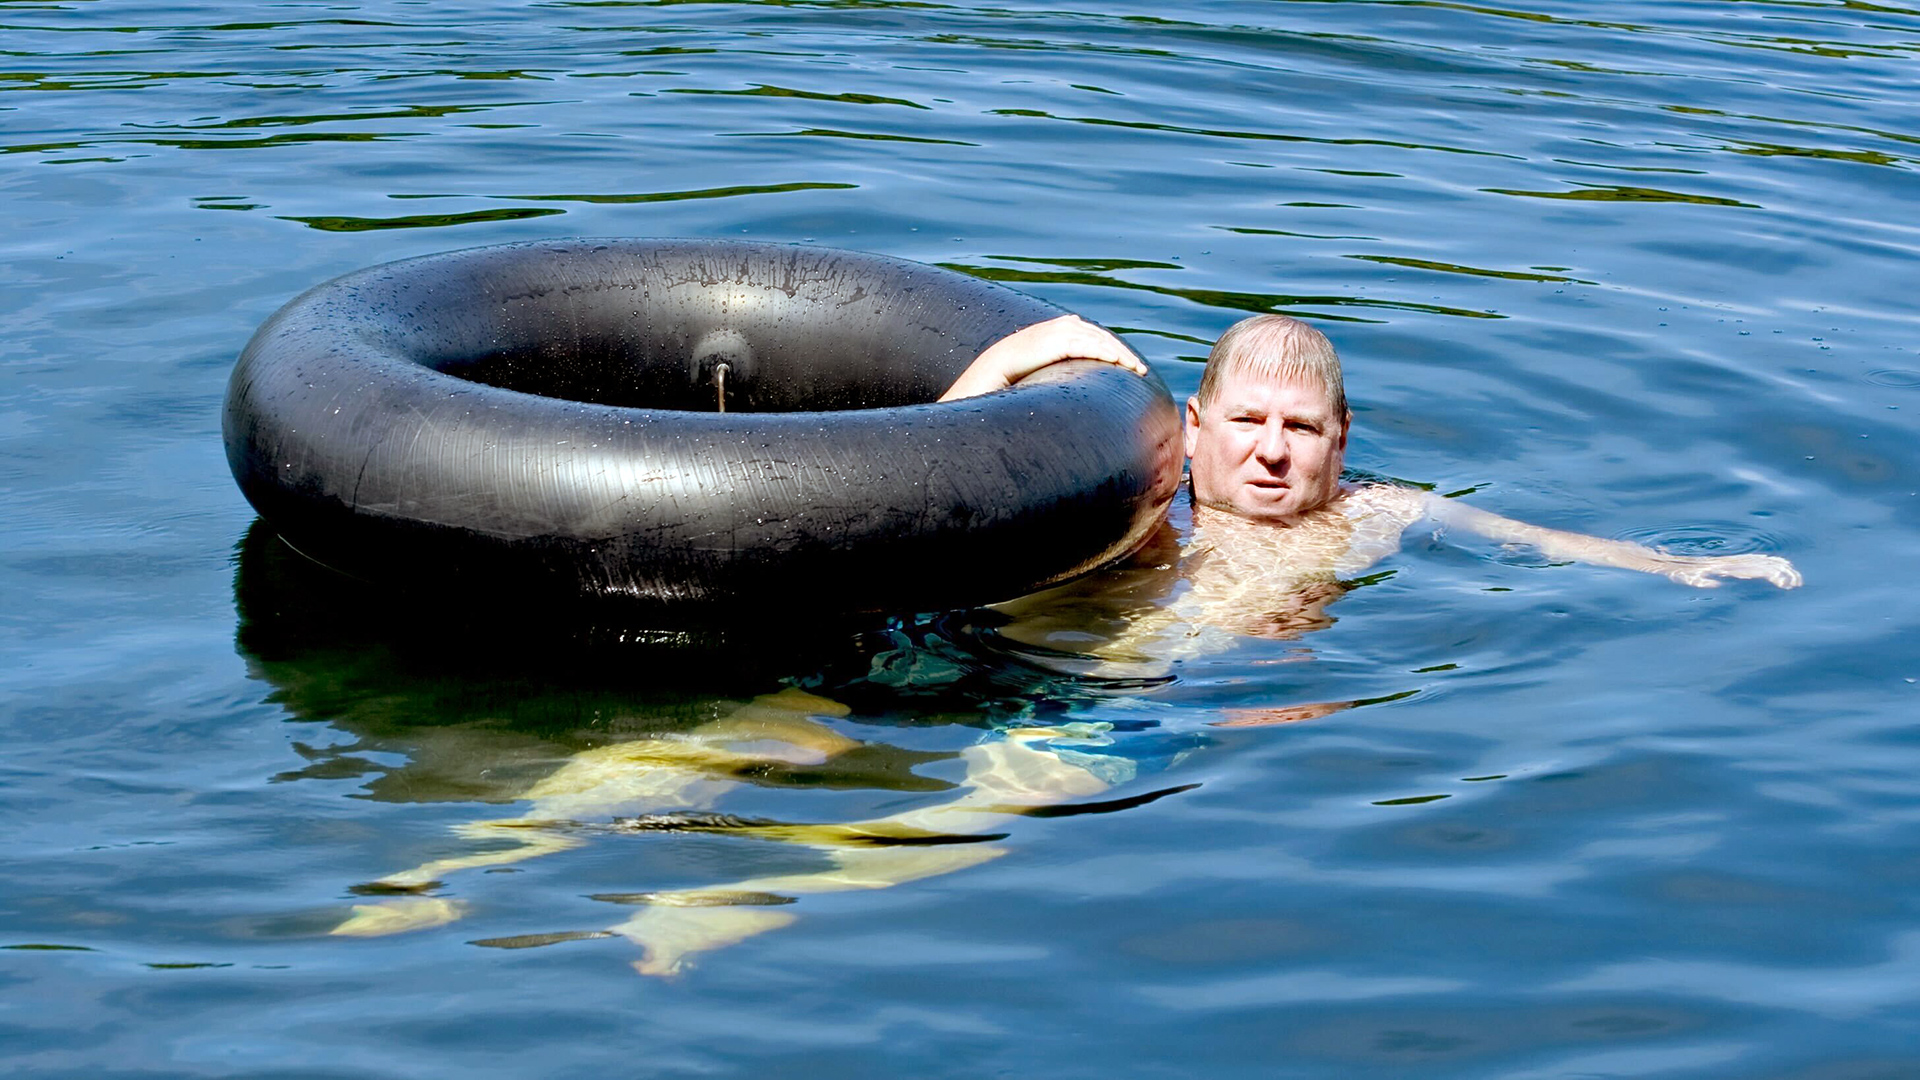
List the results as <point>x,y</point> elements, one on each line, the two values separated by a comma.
<point>1267,433</point>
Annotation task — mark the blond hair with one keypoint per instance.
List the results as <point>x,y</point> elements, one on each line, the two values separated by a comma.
<point>1275,347</point>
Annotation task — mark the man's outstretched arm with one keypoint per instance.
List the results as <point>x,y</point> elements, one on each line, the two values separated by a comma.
<point>1031,348</point>
<point>1696,570</point>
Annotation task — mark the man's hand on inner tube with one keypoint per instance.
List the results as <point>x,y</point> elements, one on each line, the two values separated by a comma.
<point>1031,348</point>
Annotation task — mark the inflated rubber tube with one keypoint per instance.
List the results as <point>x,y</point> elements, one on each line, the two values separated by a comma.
<point>543,420</point>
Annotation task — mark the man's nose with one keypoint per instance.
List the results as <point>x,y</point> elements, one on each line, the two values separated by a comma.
<point>1271,444</point>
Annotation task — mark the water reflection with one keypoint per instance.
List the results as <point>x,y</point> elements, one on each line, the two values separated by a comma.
<point>763,90</point>
<point>1469,271</point>
<point>608,731</point>
<point>481,699</point>
<point>657,196</point>
<point>340,223</point>
<point>1258,136</point>
<point>1258,303</point>
<point>1619,193</point>
<point>833,133</point>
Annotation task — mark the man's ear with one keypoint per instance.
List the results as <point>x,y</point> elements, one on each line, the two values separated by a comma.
<point>1346,429</point>
<point>1191,432</point>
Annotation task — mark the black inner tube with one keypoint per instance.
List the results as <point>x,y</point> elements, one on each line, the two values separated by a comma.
<point>720,373</point>
<point>545,420</point>
<point>648,326</point>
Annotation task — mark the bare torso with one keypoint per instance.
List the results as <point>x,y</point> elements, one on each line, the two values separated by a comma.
<point>1211,576</point>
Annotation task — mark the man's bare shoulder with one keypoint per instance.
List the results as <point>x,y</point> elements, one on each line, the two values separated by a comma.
<point>1394,502</point>
<point>1377,515</point>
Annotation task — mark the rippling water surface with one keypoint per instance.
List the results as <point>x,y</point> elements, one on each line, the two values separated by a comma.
<point>1637,269</point>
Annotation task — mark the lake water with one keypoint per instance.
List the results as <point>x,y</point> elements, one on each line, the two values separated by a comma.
<point>1637,269</point>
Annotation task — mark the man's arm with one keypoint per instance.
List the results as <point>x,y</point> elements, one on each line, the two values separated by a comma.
<point>1031,348</point>
<point>1697,570</point>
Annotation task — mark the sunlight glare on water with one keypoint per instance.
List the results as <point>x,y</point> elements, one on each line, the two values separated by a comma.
<point>1641,270</point>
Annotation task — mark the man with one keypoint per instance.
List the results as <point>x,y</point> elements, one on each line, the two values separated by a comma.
<point>1266,438</point>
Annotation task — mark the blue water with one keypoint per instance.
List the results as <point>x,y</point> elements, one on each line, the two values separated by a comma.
<point>1636,269</point>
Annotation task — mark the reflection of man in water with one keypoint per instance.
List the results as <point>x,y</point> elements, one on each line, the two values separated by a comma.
<point>1273,532</point>
<point>670,782</point>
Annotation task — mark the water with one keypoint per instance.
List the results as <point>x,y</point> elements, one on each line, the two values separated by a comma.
<point>1641,270</point>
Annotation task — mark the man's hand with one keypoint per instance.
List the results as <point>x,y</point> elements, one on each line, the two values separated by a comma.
<point>1700,570</point>
<point>1031,348</point>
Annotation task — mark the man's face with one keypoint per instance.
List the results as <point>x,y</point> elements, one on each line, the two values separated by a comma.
<point>1266,449</point>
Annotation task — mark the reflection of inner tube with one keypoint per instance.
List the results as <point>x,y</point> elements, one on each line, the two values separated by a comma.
<point>545,419</point>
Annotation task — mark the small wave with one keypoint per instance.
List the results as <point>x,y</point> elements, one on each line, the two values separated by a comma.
<point>1707,538</point>
<point>1900,378</point>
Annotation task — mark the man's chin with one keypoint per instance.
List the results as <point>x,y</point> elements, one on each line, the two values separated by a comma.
<point>1268,515</point>
<point>1267,504</point>
<point>1261,511</point>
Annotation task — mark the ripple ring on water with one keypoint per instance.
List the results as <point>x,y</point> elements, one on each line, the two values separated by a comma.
<point>545,419</point>
<point>1898,378</point>
<point>1707,538</point>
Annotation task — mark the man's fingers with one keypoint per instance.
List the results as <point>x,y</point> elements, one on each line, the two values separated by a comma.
<point>1073,336</point>
<point>1131,363</point>
<point>1770,568</point>
<point>1027,350</point>
<point>1092,343</point>
<point>1781,572</point>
